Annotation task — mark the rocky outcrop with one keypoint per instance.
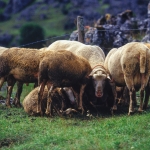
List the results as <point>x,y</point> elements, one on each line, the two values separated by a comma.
<point>117,6</point>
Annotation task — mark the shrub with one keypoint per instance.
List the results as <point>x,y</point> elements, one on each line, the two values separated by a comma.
<point>31,36</point>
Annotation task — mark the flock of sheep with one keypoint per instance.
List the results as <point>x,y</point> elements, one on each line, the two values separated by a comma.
<point>70,76</point>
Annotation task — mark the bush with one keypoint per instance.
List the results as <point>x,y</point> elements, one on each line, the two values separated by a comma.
<point>31,36</point>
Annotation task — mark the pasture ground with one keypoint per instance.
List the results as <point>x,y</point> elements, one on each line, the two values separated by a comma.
<point>18,131</point>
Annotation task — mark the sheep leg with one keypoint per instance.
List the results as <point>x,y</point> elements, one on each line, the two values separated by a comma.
<point>143,79</point>
<point>131,104</point>
<point>49,101</point>
<point>40,94</point>
<point>147,92</point>
<point>63,105</point>
<point>141,100</point>
<point>130,85</point>
<point>11,83</point>
<point>16,101</point>
<point>113,87</point>
<point>80,106</point>
<point>2,80</point>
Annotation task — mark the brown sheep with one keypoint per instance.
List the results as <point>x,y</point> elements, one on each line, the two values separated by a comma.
<point>63,69</point>
<point>130,65</point>
<point>19,64</point>
<point>95,56</point>
<point>16,100</point>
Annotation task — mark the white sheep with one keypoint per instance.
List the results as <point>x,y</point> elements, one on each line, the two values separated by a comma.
<point>130,65</point>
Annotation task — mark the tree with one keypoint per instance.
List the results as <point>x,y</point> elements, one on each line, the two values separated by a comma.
<point>31,36</point>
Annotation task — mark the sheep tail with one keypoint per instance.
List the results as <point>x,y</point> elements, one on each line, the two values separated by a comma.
<point>143,61</point>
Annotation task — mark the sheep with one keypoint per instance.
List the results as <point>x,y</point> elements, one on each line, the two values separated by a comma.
<point>16,100</point>
<point>62,69</point>
<point>19,64</point>
<point>59,99</point>
<point>30,102</point>
<point>19,85</point>
<point>95,56</point>
<point>130,65</point>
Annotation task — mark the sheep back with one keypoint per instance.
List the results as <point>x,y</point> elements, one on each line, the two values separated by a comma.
<point>128,60</point>
<point>21,62</point>
<point>64,67</point>
<point>92,53</point>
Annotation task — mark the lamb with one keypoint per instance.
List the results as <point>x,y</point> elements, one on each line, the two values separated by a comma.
<point>62,69</point>
<point>60,102</point>
<point>30,102</point>
<point>130,65</point>
<point>19,64</point>
<point>95,56</point>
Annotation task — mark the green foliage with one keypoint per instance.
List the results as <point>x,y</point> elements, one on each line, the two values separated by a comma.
<point>30,33</point>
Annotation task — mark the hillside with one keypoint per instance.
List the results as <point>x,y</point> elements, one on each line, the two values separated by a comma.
<point>57,17</point>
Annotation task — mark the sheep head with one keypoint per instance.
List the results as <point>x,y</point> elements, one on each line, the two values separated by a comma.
<point>99,77</point>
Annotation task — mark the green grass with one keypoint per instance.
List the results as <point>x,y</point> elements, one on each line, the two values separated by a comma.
<point>18,131</point>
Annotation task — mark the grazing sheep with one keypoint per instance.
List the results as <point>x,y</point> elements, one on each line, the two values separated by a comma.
<point>60,101</point>
<point>16,100</point>
<point>95,57</point>
<point>19,64</point>
<point>62,69</point>
<point>130,65</point>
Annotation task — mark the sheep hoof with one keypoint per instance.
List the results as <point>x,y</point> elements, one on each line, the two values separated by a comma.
<point>130,113</point>
<point>8,105</point>
<point>18,105</point>
<point>38,112</point>
<point>112,111</point>
<point>82,111</point>
<point>140,110</point>
<point>114,107</point>
<point>47,112</point>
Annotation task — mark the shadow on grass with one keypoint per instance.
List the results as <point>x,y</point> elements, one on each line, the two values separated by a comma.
<point>95,112</point>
